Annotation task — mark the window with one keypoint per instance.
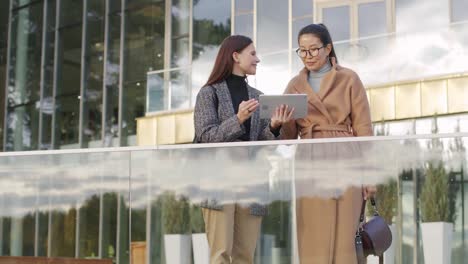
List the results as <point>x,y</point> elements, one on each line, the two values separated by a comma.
<point>458,11</point>
<point>355,19</point>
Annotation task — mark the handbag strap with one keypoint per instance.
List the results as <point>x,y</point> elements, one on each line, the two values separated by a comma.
<point>363,209</point>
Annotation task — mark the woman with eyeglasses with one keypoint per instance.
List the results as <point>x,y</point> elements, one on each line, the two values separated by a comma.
<point>337,107</point>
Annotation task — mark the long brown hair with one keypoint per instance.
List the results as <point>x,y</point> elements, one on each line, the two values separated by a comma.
<point>224,62</point>
<point>321,32</point>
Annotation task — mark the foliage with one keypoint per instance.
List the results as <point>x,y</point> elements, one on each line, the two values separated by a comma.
<point>435,200</point>
<point>386,200</point>
<point>277,222</point>
<point>175,214</point>
<point>196,219</point>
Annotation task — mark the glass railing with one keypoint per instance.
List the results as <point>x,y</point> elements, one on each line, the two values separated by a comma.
<point>149,205</point>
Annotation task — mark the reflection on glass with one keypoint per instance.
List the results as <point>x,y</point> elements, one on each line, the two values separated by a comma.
<point>272,14</point>
<point>67,117</point>
<point>157,92</point>
<point>46,107</point>
<point>134,105</point>
<point>244,25</point>
<point>4,11</point>
<point>273,65</point>
<point>144,51</point>
<point>180,92</point>
<point>168,185</point>
<point>140,199</point>
<point>243,5</point>
<point>180,33</point>
<point>111,79</point>
<point>24,78</point>
<point>210,27</point>
<point>94,60</point>
<point>458,10</point>
<point>88,225</point>
<point>337,20</point>
<point>71,12</point>
<point>144,41</point>
<point>67,101</point>
<point>410,13</point>
<point>22,127</point>
<point>302,8</point>
<point>297,25</point>
<point>372,19</point>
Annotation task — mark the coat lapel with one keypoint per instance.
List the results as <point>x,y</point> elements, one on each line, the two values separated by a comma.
<point>224,99</point>
<point>313,98</point>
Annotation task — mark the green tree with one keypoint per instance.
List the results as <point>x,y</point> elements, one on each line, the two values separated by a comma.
<point>434,199</point>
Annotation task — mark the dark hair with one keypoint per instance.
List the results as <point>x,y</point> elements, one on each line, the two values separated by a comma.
<point>321,32</point>
<point>224,62</point>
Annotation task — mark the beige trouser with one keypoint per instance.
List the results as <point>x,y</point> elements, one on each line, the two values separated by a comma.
<point>326,228</point>
<point>232,234</point>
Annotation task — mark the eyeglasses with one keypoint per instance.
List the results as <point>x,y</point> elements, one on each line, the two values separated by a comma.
<point>312,52</point>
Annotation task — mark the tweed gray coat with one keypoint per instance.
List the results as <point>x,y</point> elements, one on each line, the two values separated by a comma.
<point>220,124</point>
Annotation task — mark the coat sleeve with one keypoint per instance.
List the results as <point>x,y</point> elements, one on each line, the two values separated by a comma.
<point>289,130</point>
<point>266,133</point>
<point>208,127</point>
<point>360,111</point>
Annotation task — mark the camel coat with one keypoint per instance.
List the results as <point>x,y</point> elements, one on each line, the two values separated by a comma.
<point>326,225</point>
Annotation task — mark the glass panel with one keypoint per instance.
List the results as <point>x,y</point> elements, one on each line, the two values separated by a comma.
<point>272,19</point>
<point>211,24</point>
<point>458,13</point>
<point>71,12</point>
<point>66,116</point>
<point>115,6</point>
<point>272,73</point>
<point>180,33</point>
<point>20,3</point>
<point>297,25</point>
<point>140,198</point>
<point>111,79</point>
<point>68,87</point>
<point>180,92</point>
<point>88,204</point>
<point>411,15</point>
<point>143,52</point>
<point>418,180</point>
<point>4,13</point>
<point>243,5</point>
<point>372,19</point>
<point>22,127</point>
<point>134,105</point>
<point>26,39</point>
<point>337,20</point>
<point>46,105</point>
<point>158,91</point>
<point>302,8</point>
<point>144,41</point>
<point>92,119</point>
<point>244,25</point>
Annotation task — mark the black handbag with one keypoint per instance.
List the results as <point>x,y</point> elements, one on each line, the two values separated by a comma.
<point>372,237</point>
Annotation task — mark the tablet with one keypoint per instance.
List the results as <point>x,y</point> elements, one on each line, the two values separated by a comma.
<point>268,104</point>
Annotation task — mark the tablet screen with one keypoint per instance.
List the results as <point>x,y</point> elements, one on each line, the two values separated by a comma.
<point>268,104</point>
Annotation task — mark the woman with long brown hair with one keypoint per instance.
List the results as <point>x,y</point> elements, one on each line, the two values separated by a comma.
<point>226,111</point>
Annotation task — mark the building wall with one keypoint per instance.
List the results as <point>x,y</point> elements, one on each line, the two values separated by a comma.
<point>81,72</point>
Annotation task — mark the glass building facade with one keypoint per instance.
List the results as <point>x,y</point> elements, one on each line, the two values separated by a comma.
<point>77,73</point>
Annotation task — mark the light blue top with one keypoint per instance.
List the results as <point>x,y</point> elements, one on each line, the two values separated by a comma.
<point>315,77</point>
